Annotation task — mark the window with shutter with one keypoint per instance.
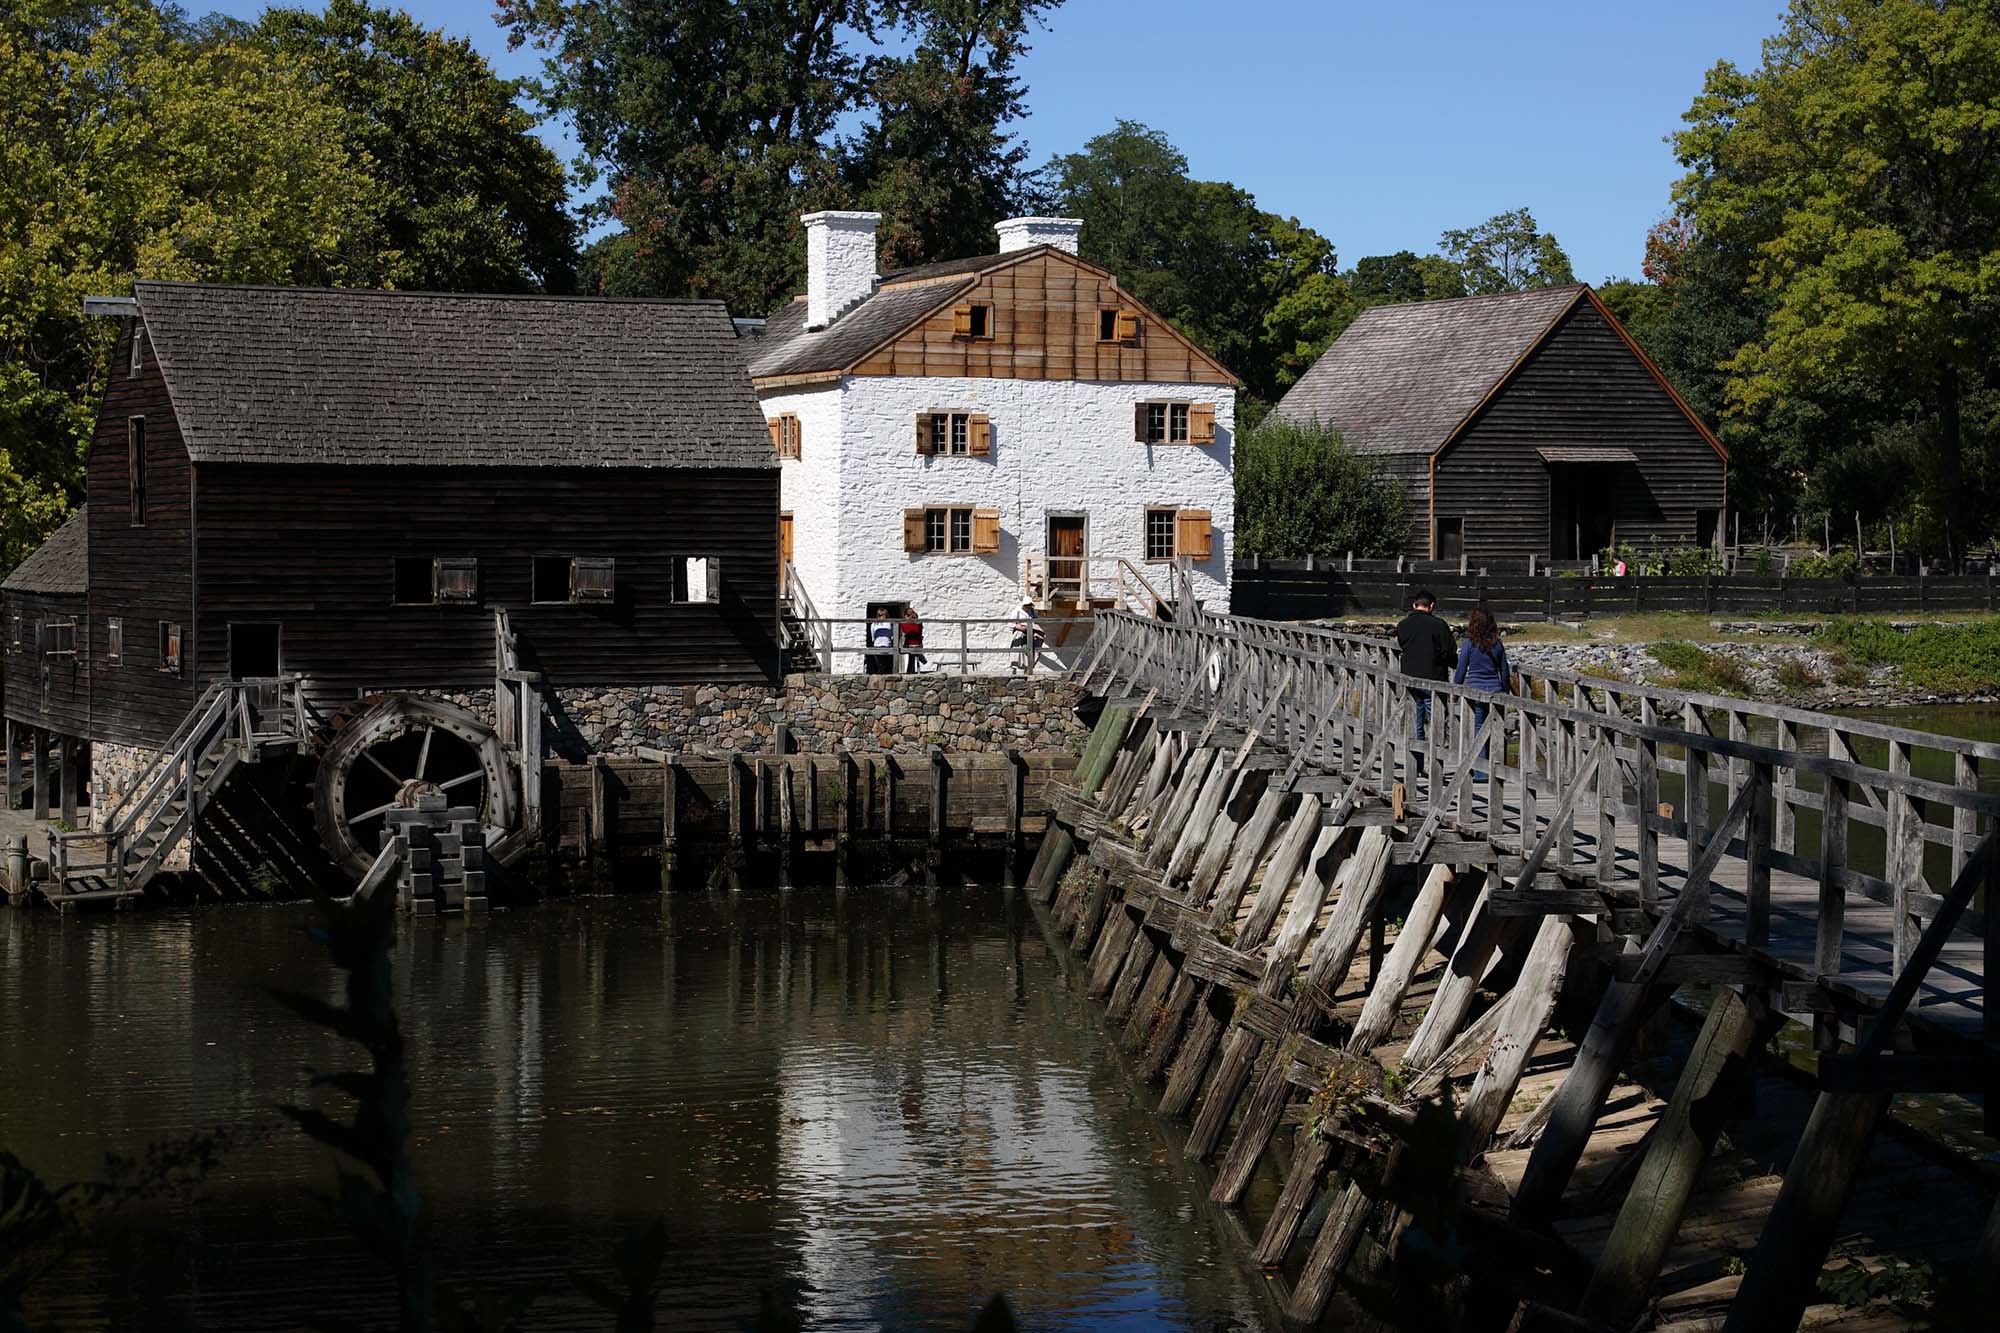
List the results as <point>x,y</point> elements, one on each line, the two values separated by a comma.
<point>696,578</point>
<point>777,436</point>
<point>945,529</point>
<point>170,647</point>
<point>1107,325</point>
<point>593,579</point>
<point>914,530</point>
<point>985,531</point>
<point>1201,423</point>
<point>1128,326</point>
<point>60,639</point>
<point>785,435</point>
<point>416,581</point>
<point>1160,533</point>
<point>961,321</point>
<point>982,435</point>
<point>114,640</point>
<point>1194,537</point>
<point>972,321</point>
<point>1142,416</point>
<point>1165,423</point>
<point>457,579</point>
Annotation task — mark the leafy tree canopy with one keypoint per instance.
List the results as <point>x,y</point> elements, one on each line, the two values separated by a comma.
<point>1855,178</point>
<point>1301,491</point>
<point>474,201</point>
<point>1506,253</point>
<point>130,149</point>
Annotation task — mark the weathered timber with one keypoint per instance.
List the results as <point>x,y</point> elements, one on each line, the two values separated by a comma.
<point>1391,982</point>
<point>1527,1007</point>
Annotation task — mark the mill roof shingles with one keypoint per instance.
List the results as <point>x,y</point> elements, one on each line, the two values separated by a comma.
<point>311,375</point>
<point>1403,378</point>
<point>787,347</point>
<point>59,565</point>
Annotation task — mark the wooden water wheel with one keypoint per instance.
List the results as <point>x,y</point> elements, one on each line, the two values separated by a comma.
<point>387,751</point>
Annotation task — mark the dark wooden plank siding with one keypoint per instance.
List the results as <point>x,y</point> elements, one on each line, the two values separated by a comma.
<point>1583,386</point>
<point>41,690</point>
<point>1414,471</point>
<point>313,548</point>
<point>143,574</point>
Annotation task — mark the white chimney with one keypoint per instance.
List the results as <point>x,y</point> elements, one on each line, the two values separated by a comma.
<point>840,263</point>
<point>1020,233</point>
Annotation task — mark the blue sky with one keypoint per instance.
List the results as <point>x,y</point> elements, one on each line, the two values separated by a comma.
<point>1378,124</point>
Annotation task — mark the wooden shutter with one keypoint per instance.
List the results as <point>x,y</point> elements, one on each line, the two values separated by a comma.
<point>777,425</point>
<point>913,530</point>
<point>455,579</point>
<point>1201,423</point>
<point>798,443</point>
<point>1128,326</point>
<point>961,321</point>
<point>986,531</point>
<point>592,579</point>
<point>1193,537</point>
<point>981,436</point>
<point>1139,422</point>
<point>923,432</point>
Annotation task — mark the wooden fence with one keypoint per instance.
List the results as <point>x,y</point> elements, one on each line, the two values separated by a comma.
<point>1314,590</point>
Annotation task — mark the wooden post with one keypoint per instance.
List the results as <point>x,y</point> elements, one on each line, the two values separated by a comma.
<point>1784,1271</point>
<point>13,764</point>
<point>1529,1005</point>
<point>934,859</point>
<point>66,770</point>
<point>1831,922</point>
<point>788,819</point>
<point>738,815</point>
<point>1016,795</point>
<point>1686,1134</point>
<point>531,755</point>
<point>843,834</point>
<point>670,819</point>
<point>1099,753</point>
<point>39,763</point>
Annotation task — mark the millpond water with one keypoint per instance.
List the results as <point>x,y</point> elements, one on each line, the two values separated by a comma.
<point>871,1110</point>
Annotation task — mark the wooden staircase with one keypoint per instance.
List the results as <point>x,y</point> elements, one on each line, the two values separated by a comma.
<point>233,723</point>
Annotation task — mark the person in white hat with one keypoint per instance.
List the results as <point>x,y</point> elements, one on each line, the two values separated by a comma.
<point>1027,637</point>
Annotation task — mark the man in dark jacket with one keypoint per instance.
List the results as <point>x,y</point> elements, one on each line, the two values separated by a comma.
<point>1429,650</point>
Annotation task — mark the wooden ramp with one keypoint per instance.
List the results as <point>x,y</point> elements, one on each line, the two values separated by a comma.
<point>1345,952</point>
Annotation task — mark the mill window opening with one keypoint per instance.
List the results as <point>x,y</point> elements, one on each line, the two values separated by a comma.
<point>170,647</point>
<point>697,578</point>
<point>114,640</point>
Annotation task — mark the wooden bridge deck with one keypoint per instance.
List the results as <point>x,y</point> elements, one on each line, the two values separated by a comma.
<point>1247,799</point>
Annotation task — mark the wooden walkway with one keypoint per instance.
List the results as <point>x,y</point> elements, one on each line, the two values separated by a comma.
<point>1295,927</point>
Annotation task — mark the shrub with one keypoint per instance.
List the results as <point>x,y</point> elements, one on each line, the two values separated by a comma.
<point>1301,491</point>
<point>1836,565</point>
<point>1674,562</point>
<point>1796,675</point>
<point>1849,676</point>
<point>1697,670</point>
<point>1940,657</point>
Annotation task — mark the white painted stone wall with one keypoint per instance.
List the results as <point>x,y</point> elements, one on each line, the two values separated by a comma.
<point>809,490</point>
<point>1059,446</point>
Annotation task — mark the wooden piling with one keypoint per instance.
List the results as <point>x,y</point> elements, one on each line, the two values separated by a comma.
<point>934,854</point>
<point>39,772</point>
<point>670,820</point>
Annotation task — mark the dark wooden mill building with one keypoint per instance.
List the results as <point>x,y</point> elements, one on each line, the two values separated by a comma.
<point>353,492</point>
<point>1526,423</point>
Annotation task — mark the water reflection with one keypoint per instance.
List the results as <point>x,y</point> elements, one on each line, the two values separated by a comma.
<point>876,1108</point>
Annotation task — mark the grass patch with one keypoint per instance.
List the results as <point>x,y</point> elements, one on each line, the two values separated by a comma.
<point>1796,675</point>
<point>1697,670</point>
<point>1849,676</point>
<point>1602,668</point>
<point>1949,657</point>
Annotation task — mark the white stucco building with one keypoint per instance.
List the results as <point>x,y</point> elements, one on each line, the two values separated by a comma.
<point>955,435</point>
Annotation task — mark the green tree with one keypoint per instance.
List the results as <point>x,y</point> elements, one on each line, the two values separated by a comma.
<point>1642,307</point>
<point>1301,491</point>
<point>474,201</point>
<point>1254,289</point>
<point>1506,253</point>
<point>712,123</point>
<point>128,150</point>
<point>1859,168</point>
<point>1388,279</point>
<point>936,159</point>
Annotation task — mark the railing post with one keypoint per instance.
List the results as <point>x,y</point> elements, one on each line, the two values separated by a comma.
<point>1649,811</point>
<point>1832,902</point>
<point>1757,867</point>
<point>1904,860</point>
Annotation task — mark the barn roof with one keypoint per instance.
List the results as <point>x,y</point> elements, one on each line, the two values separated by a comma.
<point>311,375</point>
<point>59,565</point>
<point>1403,378</point>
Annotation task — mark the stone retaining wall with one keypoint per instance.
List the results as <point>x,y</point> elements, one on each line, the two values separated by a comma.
<point>113,771</point>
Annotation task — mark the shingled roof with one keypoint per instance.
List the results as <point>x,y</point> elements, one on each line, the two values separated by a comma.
<point>310,375</point>
<point>1403,378</point>
<point>59,565</point>
<point>787,347</point>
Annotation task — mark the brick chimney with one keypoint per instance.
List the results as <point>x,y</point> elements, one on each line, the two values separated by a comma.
<point>840,263</point>
<point>1020,233</point>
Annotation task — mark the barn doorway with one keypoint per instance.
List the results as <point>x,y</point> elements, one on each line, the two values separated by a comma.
<point>1581,521</point>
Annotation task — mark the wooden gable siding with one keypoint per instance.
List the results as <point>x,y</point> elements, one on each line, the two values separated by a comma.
<point>1582,386</point>
<point>314,548</point>
<point>143,574</point>
<point>1045,324</point>
<point>1414,472</point>
<point>43,691</point>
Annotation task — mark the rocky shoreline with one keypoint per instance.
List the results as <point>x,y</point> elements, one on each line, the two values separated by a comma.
<point>1788,643</point>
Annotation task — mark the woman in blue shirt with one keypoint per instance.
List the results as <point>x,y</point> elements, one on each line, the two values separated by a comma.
<point>1482,664</point>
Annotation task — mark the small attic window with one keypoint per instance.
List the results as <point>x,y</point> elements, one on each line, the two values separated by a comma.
<point>138,347</point>
<point>1107,325</point>
<point>972,321</point>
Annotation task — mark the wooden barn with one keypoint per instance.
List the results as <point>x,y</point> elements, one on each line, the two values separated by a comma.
<point>1526,423</point>
<point>44,606</point>
<point>355,492</point>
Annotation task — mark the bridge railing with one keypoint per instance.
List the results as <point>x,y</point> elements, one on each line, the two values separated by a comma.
<point>1583,779</point>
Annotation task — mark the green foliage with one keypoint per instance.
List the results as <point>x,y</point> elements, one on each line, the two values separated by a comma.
<point>1797,677</point>
<point>132,147</point>
<point>1506,253</point>
<point>1665,561</point>
<point>1832,565</point>
<point>473,201</point>
<point>1642,307</point>
<point>1854,1284</point>
<point>1945,657</point>
<point>1697,670</point>
<point>1845,198</point>
<point>1301,491</point>
<point>1390,279</point>
<point>1255,289</point>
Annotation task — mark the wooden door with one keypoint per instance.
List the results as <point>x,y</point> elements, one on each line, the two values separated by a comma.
<point>1067,549</point>
<point>784,539</point>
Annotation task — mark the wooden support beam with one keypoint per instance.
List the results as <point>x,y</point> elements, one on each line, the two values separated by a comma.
<point>1100,752</point>
<point>1452,1002</point>
<point>66,775</point>
<point>940,794</point>
<point>788,821</point>
<point>670,820</point>
<point>1310,1151</point>
<point>1391,982</point>
<point>1528,1007</point>
<point>843,826</point>
<point>39,765</point>
<point>1650,1216</point>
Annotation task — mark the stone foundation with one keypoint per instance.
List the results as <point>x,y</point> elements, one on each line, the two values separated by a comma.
<point>865,714</point>
<point>113,771</point>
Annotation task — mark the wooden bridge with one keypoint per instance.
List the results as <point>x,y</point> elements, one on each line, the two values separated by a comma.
<point>1223,858</point>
